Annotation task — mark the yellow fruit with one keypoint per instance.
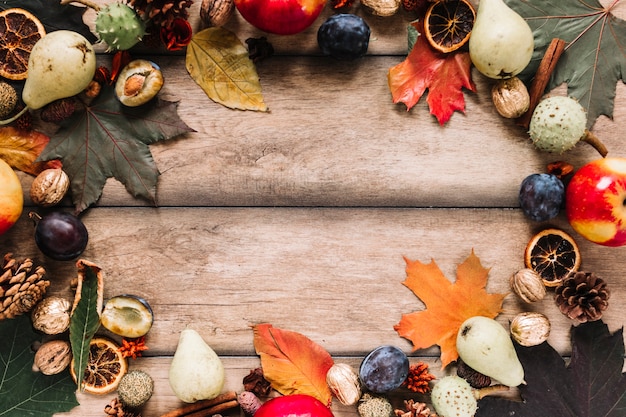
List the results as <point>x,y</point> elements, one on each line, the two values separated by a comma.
<point>11,197</point>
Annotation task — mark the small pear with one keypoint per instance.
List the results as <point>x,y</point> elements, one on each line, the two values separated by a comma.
<point>196,372</point>
<point>501,44</point>
<point>61,64</point>
<point>486,346</point>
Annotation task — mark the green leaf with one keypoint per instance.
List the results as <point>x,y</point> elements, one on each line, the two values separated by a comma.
<point>22,391</point>
<point>594,59</point>
<point>85,320</point>
<point>592,385</point>
<point>220,64</point>
<point>108,139</point>
<point>54,16</point>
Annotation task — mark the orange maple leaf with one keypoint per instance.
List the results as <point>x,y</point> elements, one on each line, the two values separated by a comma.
<point>448,304</point>
<point>293,363</point>
<point>444,75</point>
<point>20,149</point>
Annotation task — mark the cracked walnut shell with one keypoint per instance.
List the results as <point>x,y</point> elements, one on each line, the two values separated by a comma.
<point>49,187</point>
<point>53,357</point>
<point>528,285</point>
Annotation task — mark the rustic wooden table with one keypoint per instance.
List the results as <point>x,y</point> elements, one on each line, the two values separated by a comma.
<point>300,217</point>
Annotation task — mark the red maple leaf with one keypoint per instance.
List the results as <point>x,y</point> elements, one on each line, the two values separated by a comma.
<point>444,75</point>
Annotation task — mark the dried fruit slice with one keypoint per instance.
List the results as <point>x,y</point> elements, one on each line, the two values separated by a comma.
<point>105,368</point>
<point>448,24</point>
<point>553,254</point>
<point>19,31</point>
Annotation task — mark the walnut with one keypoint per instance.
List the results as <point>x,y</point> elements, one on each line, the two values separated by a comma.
<point>381,7</point>
<point>49,187</point>
<point>344,383</point>
<point>530,328</point>
<point>528,285</point>
<point>510,97</point>
<point>215,13</point>
<point>52,315</point>
<point>53,357</point>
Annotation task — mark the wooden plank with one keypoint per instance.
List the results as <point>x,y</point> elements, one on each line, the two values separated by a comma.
<point>330,141</point>
<point>333,274</point>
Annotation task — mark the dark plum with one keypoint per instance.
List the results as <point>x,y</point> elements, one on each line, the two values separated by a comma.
<point>541,196</point>
<point>384,369</point>
<point>344,36</point>
<point>61,235</point>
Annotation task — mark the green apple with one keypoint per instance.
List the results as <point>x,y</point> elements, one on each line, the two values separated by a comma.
<point>11,197</point>
<point>595,201</point>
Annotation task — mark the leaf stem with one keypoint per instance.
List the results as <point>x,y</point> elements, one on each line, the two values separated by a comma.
<point>87,3</point>
<point>594,141</point>
<point>491,389</point>
<point>14,118</point>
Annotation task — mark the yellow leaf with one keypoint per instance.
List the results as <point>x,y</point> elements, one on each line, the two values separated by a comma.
<point>219,63</point>
<point>20,149</point>
<point>448,304</point>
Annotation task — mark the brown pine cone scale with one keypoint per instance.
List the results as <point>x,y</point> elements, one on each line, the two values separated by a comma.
<point>21,288</point>
<point>582,296</point>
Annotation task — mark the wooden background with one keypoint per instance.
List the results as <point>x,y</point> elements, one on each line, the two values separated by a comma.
<point>300,217</point>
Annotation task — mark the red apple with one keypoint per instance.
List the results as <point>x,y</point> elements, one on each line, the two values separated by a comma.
<point>294,405</point>
<point>282,17</point>
<point>595,201</point>
<point>11,197</point>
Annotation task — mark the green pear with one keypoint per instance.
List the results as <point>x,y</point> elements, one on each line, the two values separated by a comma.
<point>196,372</point>
<point>501,44</point>
<point>485,346</point>
<point>61,64</point>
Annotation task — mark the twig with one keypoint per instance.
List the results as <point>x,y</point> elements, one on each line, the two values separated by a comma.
<point>87,3</point>
<point>539,83</point>
<point>491,389</point>
<point>200,408</point>
<point>594,141</point>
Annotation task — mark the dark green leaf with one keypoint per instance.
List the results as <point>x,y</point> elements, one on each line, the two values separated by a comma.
<point>24,392</point>
<point>592,385</point>
<point>85,321</point>
<point>54,16</point>
<point>107,140</point>
<point>594,59</point>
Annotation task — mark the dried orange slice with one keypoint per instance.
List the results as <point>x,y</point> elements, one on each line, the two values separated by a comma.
<point>553,254</point>
<point>105,368</point>
<point>448,24</point>
<point>19,31</point>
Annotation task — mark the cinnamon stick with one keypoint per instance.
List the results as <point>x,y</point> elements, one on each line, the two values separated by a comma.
<point>539,83</point>
<point>206,407</point>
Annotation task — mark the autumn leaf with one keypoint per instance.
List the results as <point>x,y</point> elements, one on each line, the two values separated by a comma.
<point>220,64</point>
<point>443,75</point>
<point>54,15</point>
<point>109,140</point>
<point>448,304</point>
<point>20,148</point>
<point>591,385</point>
<point>292,363</point>
<point>594,59</point>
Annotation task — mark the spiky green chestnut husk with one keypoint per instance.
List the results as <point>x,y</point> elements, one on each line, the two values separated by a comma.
<point>452,396</point>
<point>119,26</point>
<point>557,124</point>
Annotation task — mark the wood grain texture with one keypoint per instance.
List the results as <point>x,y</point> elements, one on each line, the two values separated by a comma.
<point>301,216</point>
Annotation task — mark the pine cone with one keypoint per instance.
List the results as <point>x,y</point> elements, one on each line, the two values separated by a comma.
<point>116,409</point>
<point>161,13</point>
<point>582,296</point>
<point>20,290</point>
<point>58,110</point>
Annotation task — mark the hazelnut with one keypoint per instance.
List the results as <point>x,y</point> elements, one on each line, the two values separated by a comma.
<point>528,285</point>
<point>510,97</point>
<point>215,13</point>
<point>530,328</point>
<point>49,187</point>
<point>344,383</point>
<point>52,315</point>
<point>53,357</point>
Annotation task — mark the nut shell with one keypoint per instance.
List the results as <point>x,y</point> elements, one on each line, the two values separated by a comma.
<point>382,8</point>
<point>344,383</point>
<point>53,357</point>
<point>528,285</point>
<point>52,315</point>
<point>530,328</point>
<point>49,187</point>
<point>215,13</point>
<point>510,97</point>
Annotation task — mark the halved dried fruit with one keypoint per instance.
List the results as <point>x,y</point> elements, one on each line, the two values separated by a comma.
<point>105,368</point>
<point>19,31</point>
<point>127,315</point>
<point>448,24</point>
<point>553,254</point>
